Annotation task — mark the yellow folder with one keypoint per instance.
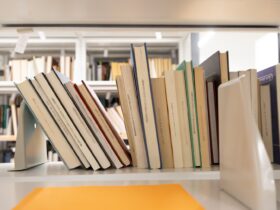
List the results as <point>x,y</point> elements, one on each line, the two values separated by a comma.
<point>145,197</point>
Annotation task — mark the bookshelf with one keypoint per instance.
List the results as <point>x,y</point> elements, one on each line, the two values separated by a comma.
<point>202,184</point>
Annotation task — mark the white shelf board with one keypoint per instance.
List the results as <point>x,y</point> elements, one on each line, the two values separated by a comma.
<point>8,87</point>
<point>58,172</point>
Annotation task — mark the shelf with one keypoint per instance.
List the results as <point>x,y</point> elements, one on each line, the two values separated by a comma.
<point>8,138</point>
<point>58,172</point>
<point>101,87</point>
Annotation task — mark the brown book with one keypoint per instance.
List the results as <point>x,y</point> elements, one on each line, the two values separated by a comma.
<point>93,126</point>
<point>202,114</point>
<point>162,122</point>
<point>99,113</point>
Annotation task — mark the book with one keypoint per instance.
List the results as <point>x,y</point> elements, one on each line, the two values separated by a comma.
<point>62,118</point>
<point>202,116</point>
<point>266,119</point>
<point>178,117</point>
<point>271,76</point>
<point>148,197</point>
<point>50,127</point>
<point>146,104</point>
<point>187,68</point>
<point>162,122</point>
<point>92,124</point>
<point>127,119</point>
<point>131,107</point>
<point>56,81</point>
<point>95,109</point>
<point>213,121</point>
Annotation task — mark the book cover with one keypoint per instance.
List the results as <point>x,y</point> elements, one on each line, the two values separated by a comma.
<point>146,104</point>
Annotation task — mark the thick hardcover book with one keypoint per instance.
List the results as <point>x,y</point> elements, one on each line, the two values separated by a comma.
<point>132,110</point>
<point>146,104</point>
<point>47,123</point>
<point>93,126</point>
<point>57,81</point>
<point>187,68</point>
<point>271,76</point>
<point>58,114</point>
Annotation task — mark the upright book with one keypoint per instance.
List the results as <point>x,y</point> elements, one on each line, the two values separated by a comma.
<point>162,122</point>
<point>202,116</point>
<point>146,104</point>
<point>187,68</point>
<point>271,76</point>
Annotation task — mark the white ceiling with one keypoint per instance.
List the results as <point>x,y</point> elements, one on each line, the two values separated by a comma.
<point>205,12</point>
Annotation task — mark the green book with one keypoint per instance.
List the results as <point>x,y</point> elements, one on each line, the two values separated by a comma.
<point>187,68</point>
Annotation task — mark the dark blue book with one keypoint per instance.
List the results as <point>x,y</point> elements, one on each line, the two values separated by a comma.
<point>269,77</point>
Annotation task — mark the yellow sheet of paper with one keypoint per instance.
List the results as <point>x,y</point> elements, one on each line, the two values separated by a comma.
<point>145,197</point>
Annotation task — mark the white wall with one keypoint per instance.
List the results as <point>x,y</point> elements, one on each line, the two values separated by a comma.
<point>246,49</point>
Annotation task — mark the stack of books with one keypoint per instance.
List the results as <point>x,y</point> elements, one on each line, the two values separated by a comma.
<point>74,121</point>
<point>172,121</point>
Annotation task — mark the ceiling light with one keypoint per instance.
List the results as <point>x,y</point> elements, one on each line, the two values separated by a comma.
<point>158,35</point>
<point>42,35</point>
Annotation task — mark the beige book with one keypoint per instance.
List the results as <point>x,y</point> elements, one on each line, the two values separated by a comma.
<point>202,114</point>
<point>67,66</point>
<point>49,64</point>
<point>128,121</point>
<point>48,124</point>
<point>173,112</point>
<point>119,110</point>
<point>266,119</point>
<point>63,120</point>
<point>233,75</point>
<point>56,80</point>
<point>134,116</point>
<point>14,118</point>
<point>118,122</point>
<point>104,126</point>
<point>145,97</point>
<point>93,125</point>
<point>162,122</point>
<point>224,67</point>
<point>183,119</point>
